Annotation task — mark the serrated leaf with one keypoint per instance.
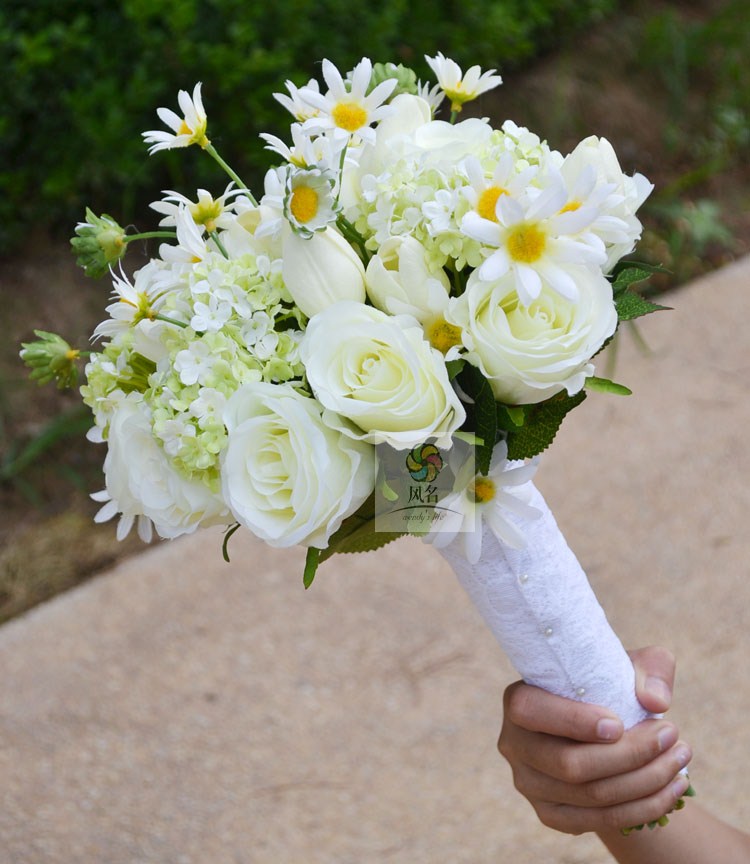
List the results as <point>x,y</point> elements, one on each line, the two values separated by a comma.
<point>630,305</point>
<point>357,533</point>
<point>629,276</point>
<point>511,416</point>
<point>484,413</point>
<point>541,426</point>
<point>604,385</point>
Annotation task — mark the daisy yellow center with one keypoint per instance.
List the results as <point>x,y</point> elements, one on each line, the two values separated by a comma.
<point>197,136</point>
<point>482,490</point>
<point>304,204</point>
<point>487,204</point>
<point>571,206</point>
<point>526,244</point>
<point>443,335</point>
<point>349,116</point>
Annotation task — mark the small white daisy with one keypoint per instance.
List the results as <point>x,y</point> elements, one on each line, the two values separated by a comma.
<point>476,497</point>
<point>348,110</point>
<point>212,213</point>
<point>294,104</point>
<point>186,130</point>
<point>460,88</point>
<point>309,203</point>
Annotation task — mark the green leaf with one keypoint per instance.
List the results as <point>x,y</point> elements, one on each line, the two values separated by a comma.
<point>630,305</point>
<point>509,417</point>
<point>311,566</point>
<point>629,276</point>
<point>542,422</point>
<point>357,533</point>
<point>454,367</point>
<point>604,385</point>
<point>484,413</point>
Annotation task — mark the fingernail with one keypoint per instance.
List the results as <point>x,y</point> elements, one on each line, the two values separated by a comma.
<point>667,737</point>
<point>683,754</point>
<point>659,688</point>
<point>608,729</point>
<point>680,785</point>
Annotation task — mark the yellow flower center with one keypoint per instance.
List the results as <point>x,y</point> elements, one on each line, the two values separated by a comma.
<point>349,116</point>
<point>443,335</point>
<point>487,204</point>
<point>571,206</point>
<point>526,244</point>
<point>72,354</point>
<point>482,489</point>
<point>197,136</point>
<point>304,204</point>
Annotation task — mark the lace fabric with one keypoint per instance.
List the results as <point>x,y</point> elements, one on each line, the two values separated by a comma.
<point>539,605</point>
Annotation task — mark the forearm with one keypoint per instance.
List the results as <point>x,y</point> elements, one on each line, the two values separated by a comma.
<point>693,836</point>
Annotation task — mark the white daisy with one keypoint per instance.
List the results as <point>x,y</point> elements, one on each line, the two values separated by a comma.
<point>476,497</point>
<point>294,104</point>
<point>348,111</point>
<point>534,239</point>
<point>460,88</point>
<point>212,213</point>
<point>133,303</point>
<point>309,203</point>
<point>186,130</point>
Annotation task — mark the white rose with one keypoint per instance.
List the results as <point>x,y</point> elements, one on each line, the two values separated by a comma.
<point>321,270</point>
<point>286,474</point>
<point>379,372</point>
<point>400,281</point>
<point>141,481</point>
<point>452,142</point>
<point>530,353</point>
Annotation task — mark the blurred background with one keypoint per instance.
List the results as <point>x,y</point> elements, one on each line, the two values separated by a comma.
<point>667,82</point>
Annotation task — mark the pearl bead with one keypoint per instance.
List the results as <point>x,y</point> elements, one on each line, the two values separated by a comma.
<point>523,578</point>
<point>581,691</point>
<point>548,631</point>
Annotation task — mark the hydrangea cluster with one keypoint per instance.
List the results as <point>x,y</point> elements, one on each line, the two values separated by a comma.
<point>396,268</point>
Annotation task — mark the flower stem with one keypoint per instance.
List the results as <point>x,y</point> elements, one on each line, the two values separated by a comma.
<point>169,320</point>
<point>353,236</point>
<point>213,153</point>
<point>214,235</point>
<point>148,235</point>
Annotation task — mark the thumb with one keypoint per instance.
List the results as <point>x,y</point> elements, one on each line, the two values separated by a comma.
<point>654,677</point>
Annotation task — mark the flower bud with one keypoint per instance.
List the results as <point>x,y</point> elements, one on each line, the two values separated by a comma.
<point>51,358</point>
<point>100,242</point>
<point>400,280</point>
<point>321,270</point>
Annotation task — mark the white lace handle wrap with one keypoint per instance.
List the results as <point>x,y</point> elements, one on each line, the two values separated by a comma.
<point>539,605</point>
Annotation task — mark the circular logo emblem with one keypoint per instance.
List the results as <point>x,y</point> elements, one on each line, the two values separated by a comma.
<point>424,463</point>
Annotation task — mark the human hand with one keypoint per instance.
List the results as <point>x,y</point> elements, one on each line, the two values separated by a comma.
<point>580,770</point>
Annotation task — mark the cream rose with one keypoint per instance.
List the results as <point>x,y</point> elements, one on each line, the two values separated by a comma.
<point>400,280</point>
<point>287,475</point>
<point>142,483</point>
<point>380,373</point>
<point>530,353</point>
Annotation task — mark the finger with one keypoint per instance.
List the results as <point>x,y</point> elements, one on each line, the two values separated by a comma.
<point>654,677</point>
<point>576,820</point>
<point>584,763</point>
<point>608,791</point>
<point>538,711</point>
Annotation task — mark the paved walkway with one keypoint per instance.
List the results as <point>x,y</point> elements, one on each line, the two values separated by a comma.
<point>179,710</point>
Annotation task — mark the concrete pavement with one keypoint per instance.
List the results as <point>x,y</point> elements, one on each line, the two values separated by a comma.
<point>180,710</point>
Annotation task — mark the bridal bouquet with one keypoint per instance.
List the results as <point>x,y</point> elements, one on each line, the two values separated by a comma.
<point>380,341</point>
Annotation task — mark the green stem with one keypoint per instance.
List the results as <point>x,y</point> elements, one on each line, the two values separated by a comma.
<point>212,152</point>
<point>170,320</point>
<point>454,116</point>
<point>214,235</point>
<point>149,235</point>
<point>353,236</point>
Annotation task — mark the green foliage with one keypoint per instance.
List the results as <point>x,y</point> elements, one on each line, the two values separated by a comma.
<point>482,413</point>
<point>87,78</point>
<point>540,426</point>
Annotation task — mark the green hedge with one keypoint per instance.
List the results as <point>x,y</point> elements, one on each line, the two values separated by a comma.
<point>86,77</point>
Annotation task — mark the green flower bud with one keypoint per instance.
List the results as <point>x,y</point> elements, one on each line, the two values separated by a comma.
<point>99,242</point>
<point>51,358</point>
<point>406,78</point>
